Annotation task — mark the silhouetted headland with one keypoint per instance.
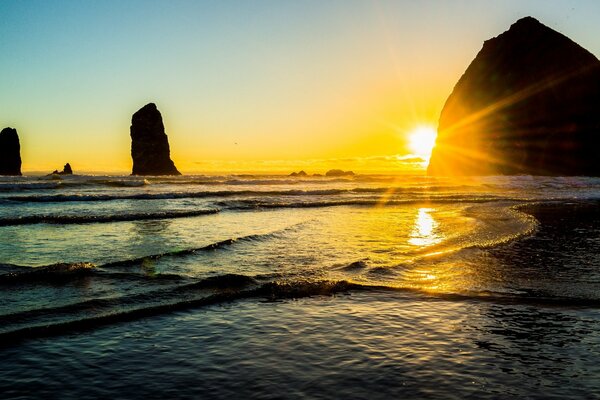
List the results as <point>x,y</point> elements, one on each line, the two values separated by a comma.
<point>10,152</point>
<point>149,144</point>
<point>67,170</point>
<point>527,104</point>
<point>338,172</point>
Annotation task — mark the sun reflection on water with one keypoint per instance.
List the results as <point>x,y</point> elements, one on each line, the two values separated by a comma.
<point>424,233</point>
<point>424,229</point>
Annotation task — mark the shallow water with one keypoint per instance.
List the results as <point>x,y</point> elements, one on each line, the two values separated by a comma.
<point>440,287</point>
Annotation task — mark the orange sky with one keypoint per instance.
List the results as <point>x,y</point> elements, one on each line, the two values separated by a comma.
<point>246,86</point>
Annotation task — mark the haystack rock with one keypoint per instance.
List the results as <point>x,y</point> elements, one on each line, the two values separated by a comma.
<point>10,152</point>
<point>529,103</point>
<point>149,144</point>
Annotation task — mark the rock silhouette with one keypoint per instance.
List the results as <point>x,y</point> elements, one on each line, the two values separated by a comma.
<point>338,172</point>
<point>149,144</point>
<point>67,170</point>
<point>529,103</point>
<point>301,173</point>
<point>10,152</point>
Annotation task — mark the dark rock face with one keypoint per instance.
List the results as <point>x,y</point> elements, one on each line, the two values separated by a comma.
<point>529,103</point>
<point>10,152</point>
<point>338,172</point>
<point>149,144</point>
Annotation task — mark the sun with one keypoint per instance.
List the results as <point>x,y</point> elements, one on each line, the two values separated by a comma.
<point>421,140</point>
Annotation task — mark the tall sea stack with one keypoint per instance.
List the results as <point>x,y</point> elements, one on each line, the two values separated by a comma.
<point>529,103</point>
<point>149,144</point>
<point>10,152</point>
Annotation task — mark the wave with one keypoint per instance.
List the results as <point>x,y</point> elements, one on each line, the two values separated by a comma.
<point>75,181</point>
<point>250,180</point>
<point>221,282</point>
<point>92,219</point>
<point>60,198</point>
<point>48,273</point>
<point>10,187</point>
<point>253,204</point>
<point>123,183</point>
<point>236,287</point>
<point>62,272</point>
<point>186,252</point>
<point>92,314</point>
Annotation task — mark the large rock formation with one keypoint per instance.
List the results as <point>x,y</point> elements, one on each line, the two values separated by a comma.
<point>10,152</point>
<point>529,103</point>
<point>149,144</point>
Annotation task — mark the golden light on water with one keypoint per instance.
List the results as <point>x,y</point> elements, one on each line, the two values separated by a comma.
<point>421,140</point>
<point>423,232</point>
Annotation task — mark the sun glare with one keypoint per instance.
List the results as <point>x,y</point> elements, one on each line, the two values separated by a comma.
<point>421,140</point>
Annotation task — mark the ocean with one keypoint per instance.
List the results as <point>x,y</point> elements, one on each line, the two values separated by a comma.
<point>277,287</point>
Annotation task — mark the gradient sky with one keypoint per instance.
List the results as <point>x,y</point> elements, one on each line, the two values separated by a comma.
<point>246,85</point>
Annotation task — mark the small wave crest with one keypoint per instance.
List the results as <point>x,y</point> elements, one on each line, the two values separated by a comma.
<point>13,187</point>
<point>59,198</point>
<point>49,273</point>
<point>91,219</point>
<point>187,252</point>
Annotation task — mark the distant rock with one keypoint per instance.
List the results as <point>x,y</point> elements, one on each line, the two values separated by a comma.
<point>10,152</point>
<point>149,144</point>
<point>529,103</point>
<point>339,172</point>
<point>317,175</point>
<point>66,170</point>
<point>301,173</point>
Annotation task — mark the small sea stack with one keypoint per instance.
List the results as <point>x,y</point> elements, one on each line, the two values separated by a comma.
<point>528,104</point>
<point>300,174</point>
<point>338,172</point>
<point>67,170</point>
<point>10,152</point>
<point>149,144</point>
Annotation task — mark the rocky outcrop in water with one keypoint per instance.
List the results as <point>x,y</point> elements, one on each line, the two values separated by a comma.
<point>339,172</point>
<point>149,144</point>
<point>529,103</point>
<point>10,152</point>
<point>300,174</point>
<point>67,170</point>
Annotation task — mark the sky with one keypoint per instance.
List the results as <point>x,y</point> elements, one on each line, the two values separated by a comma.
<point>247,86</point>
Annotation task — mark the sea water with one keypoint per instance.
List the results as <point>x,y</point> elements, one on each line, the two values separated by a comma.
<point>281,287</point>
